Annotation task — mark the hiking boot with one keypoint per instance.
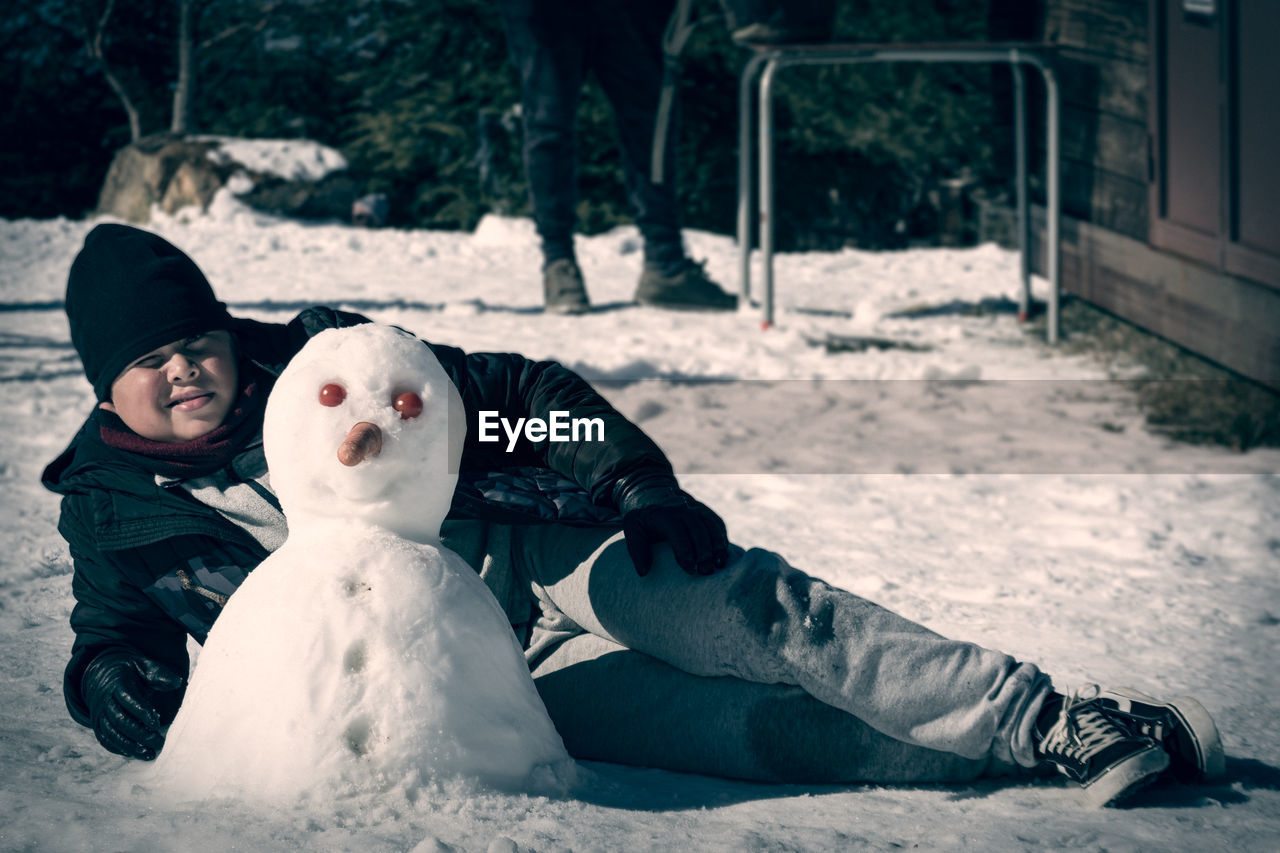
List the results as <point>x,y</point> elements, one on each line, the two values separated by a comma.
<point>689,289</point>
<point>1182,726</point>
<point>562,289</point>
<point>1107,760</point>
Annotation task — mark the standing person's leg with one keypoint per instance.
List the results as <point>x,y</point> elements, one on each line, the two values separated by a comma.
<point>763,621</point>
<point>627,59</point>
<point>547,42</point>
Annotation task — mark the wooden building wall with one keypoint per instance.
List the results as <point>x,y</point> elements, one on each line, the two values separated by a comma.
<point>1105,72</point>
<point>1102,71</point>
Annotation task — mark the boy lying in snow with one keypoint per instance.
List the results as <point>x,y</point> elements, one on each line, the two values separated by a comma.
<point>652,639</point>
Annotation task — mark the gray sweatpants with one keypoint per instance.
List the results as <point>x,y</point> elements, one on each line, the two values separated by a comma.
<point>757,672</point>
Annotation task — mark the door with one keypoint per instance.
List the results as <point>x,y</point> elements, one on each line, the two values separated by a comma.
<point>1215,130</point>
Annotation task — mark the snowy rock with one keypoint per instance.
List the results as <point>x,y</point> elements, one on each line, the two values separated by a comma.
<point>297,178</point>
<point>287,159</point>
<point>362,656</point>
<point>160,170</point>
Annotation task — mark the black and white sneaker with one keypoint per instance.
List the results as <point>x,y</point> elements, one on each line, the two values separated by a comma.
<point>1089,747</point>
<point>1182,726</point>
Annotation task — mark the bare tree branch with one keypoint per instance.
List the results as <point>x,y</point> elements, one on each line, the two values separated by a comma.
<point>54,22</point>
<point>93,43</point>
<point>266,13</point>
<point>268,10</point>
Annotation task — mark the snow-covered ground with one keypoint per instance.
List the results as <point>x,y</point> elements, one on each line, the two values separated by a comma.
<point>984,484</point>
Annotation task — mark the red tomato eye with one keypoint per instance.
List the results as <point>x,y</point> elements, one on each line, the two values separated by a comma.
<point>409,405</point>
<point>332,395</point>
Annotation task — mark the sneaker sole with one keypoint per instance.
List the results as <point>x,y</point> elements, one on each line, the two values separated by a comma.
<point>684,306</point>
<point>1211,757</point>
<point>1127,777</point>
<point>1210,760</point>
<point>567,309</point>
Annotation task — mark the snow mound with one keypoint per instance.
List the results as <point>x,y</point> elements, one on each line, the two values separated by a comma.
<point>503,231</point>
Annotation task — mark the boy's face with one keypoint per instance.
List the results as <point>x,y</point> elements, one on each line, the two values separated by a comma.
<point>180,391</point>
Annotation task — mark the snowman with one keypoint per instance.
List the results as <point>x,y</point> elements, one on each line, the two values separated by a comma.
<point>362,655</point>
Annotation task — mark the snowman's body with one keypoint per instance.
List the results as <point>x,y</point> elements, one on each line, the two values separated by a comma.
<point>361,654</point>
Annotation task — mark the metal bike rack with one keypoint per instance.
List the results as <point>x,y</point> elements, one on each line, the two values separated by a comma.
<point>773,59</point>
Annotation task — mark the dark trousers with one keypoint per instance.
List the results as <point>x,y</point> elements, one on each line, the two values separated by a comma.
<point>554,44</point>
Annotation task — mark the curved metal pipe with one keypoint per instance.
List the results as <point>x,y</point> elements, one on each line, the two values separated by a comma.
<point>745,115</point>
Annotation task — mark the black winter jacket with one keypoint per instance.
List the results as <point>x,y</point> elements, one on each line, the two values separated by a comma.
<point>152,564</point>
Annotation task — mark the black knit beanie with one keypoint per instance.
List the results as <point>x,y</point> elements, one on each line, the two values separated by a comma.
<point>130,292</point>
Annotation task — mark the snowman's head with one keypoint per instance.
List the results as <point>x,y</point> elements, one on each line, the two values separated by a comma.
<point>365,425</point>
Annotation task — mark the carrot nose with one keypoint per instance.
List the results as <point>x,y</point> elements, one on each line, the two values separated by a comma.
<point>364,441</point>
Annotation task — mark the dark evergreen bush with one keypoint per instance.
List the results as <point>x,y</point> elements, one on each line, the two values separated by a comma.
<point>60,122</point>
<point>421,97</point>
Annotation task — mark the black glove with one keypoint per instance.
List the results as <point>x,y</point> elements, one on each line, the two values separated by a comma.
<point>130,698</point>
<point>696,535</point>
